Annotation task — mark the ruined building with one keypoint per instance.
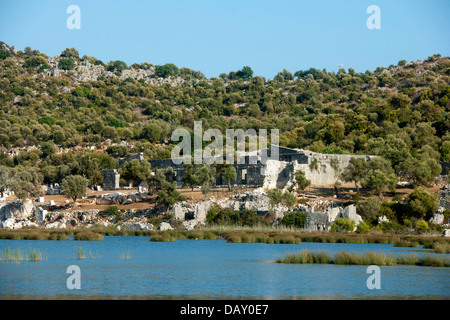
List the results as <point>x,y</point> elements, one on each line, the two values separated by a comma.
<point>110,179</point>
<point>321,169</point>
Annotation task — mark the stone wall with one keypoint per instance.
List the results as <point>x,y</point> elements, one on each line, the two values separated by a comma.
<point>110,179</point>
<point>318,167</point>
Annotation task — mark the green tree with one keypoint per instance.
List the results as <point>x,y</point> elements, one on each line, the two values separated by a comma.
<point>229,175</point>
<point>289,199</point>
<point>246,73</point>
<point>300,179</point>
<point>379,177</point>
<point>25,182</point>
<point>421,204</point>
<point>167,70</point>
<point>4,54</point>
<point>70,53</point>
<point>296,219</point>
<point>274,196</point>
<point>423,168</point>
<point>368,209</point>
<point>66,64</point>
<point>74,186</point>
<point>167,194</point>
<point>48,149</point>
<point>36,61</point>
<point>116,65</point>
<point>135,171</point>
<point>391,148</point>
<point>355,171</point>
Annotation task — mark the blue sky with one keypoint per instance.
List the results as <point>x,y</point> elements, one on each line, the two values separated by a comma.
<point>216,36</point>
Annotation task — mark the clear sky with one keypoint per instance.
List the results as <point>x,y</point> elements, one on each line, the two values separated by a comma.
<point>216,36</point>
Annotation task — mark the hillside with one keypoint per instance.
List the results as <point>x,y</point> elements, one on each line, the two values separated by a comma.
<point>49,105</point>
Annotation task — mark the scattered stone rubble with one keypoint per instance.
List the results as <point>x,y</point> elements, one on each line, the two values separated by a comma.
<point>321,214</point>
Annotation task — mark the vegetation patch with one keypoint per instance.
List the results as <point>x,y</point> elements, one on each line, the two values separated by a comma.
<point>87,235</point>
<point>367,258</point>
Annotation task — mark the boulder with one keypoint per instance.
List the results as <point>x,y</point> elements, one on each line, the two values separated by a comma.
<point>137,226</point>
<point>189,224</point>
<point>349,212</point>
<point>73,222</point>
<point>382,219</point>
<point>56,225</point>
<point>40,215</point>
<point>165,226</point>
<point>201,209</point>
<point>8,223</point>
<point>179,210</point>
<point>16,210</point>
<point>438,218</point>
<point>279,210</point>
<point>333,213</point>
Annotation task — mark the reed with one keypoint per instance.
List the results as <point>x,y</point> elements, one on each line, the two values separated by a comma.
<point>368,258</point>
<point>80,254</point>
<point>406,243</point>
<point>321,257</point>
<point>125,255</point>
<point>410,259</point>
<point>88,236</point>
<point>433,261</point>
<point>94,255</point>
<point>35,255</point>
<point>162,238</point>
<point>441,247</point>
<point>14,255</point>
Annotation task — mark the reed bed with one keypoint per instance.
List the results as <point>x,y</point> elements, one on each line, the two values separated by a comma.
<point>162,238</point>
<point>35,255</point>
<point>125,255</point>
<point>33,234</point>
<point>440,247</point>
<point>88,235</point>
<point>18,255</point>
<point>367,258</point>
<point>11,255</point>
<point>79,252</point>
<point>407,244</point>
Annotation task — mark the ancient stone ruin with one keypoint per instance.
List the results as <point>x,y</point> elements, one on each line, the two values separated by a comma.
<point>110,179</point>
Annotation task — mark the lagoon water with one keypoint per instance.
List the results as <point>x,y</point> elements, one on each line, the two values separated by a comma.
<point>208,269</point>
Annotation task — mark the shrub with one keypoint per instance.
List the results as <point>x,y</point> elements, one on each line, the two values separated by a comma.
<point>422,226</point>
<point>162,238</point>
<point>297,219</point>
<point>111,210</point>
<point>342,225</point>
<point>363,228</point>
<point>441,247</point>
<point>88,235</point>
<point>368,209</point>
<point>232,217</point>
<point>66,64</point>
<point>421,204</point>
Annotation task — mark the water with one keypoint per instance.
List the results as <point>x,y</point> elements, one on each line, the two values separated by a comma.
<point>208,269</point>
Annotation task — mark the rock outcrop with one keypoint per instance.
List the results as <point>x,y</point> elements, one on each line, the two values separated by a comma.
<point>137,226</point>
<point>186,211</point>
<point>164,226</point>
<point>322,221</point>
<point>438,218</point>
